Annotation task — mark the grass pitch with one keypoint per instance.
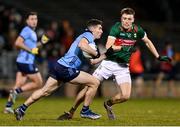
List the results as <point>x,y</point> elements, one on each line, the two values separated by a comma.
<point>134,112</point>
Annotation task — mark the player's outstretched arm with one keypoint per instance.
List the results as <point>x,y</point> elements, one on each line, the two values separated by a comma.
<point>152,48</point>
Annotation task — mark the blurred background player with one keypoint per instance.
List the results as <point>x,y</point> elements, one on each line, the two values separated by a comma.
<point>120,44</point>
<point>166,71</point>
<point>137,70</point>
<point>66,69</point>
<point>28,45</point>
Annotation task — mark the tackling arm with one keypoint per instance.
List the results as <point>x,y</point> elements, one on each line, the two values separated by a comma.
<point>110,42</point>
<point>97,60</point>
<point>84,46</point>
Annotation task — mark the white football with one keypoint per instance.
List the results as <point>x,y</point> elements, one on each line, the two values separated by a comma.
<point>87,55</point>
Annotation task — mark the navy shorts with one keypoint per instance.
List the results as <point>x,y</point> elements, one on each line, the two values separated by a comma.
<point>62,73</point>
<point>27,68</point>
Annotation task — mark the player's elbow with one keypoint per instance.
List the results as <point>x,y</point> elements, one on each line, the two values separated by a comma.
<point>39,84</point>
<point>81,45</point>
<point>17,45</point>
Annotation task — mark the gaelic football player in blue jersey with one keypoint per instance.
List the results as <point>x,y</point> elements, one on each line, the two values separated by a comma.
<point>27,44</point>
<point>67,69</point>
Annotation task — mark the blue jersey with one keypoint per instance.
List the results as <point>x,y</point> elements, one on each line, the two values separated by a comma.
<point>72,57</point>
<point>30,40</point>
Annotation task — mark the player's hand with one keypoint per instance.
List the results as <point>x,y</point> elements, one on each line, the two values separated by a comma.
<point>164,58</point>
<point>97,60</point>
<point>44,39</point>
<point>98,54</point>
<point>109,51</point>
<point>35,51</point>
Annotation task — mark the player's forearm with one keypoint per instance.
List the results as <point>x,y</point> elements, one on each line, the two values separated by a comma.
<point>89,50</point>
<point>22,46</point>
<point>110,42</point>
<point>85,47</point>
<point>152,49</point>
<point>98,60</point>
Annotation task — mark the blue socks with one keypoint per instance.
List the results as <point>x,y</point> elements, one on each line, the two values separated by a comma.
<point>9,104</point>
<point>23,107</point>
<point>85,108</point>
<point>18,90</point>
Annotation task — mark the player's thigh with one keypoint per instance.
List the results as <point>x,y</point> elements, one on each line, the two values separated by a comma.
<point>85,78</point>
<point>122,75</point>
<point>123,80</point>
<point>36,77</point>
<point>102,72</point>
<point>20,79</point>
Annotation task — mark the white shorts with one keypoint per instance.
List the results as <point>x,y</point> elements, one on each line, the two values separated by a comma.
<point>109,68</point>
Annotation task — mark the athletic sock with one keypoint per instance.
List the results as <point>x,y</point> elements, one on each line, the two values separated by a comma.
<point>18,90</point>
<point>109,102</point>
<point>85,108</point>
<point>9,104</point>
<point>23,107</point>
<point>72,110</point>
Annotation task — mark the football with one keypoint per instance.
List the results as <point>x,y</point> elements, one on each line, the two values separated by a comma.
<point>87,55</point>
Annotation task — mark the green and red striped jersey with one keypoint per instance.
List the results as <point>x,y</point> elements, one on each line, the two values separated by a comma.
<point>126,39</point>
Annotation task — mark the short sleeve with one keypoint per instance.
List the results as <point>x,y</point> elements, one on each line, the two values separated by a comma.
<point>25,33</point>
<point>89,36</point>
<point>114,30</point>
<point>141,33</point>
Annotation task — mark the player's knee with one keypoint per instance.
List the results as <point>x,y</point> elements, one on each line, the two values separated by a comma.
<point>40,83</point>
<point>89,93</point>
<point>96,83</point>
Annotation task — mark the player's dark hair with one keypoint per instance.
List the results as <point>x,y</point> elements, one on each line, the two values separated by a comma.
<point>127,10</point>
<point>30,13</point>
<point>94,22</point>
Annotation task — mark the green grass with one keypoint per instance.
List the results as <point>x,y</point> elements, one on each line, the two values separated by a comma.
<point>134,112</point>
